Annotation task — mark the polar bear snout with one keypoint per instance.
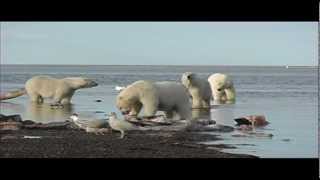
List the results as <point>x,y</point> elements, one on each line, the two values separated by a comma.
<point>125,112</point>
<point>92,83</point>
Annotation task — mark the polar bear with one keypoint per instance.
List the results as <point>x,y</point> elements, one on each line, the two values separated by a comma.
<point>198,88</point>
<point>170,97</point>
<point>222,87</point>
<point>61,90</point>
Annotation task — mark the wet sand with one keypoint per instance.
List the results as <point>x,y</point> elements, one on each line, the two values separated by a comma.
<point>79,144</point>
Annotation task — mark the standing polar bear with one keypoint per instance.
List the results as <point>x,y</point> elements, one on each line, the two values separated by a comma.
<point>222,87</point>
<point>61,90</point>
<point>170,97</point>
<point>198,88</point>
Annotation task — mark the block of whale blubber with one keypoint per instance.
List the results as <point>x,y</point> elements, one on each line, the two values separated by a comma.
<point>256,120</point>
<point>242,121</point>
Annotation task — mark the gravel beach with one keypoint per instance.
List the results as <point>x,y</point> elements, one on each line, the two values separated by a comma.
<point>25,143</point>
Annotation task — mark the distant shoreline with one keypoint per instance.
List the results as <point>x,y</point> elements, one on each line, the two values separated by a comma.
<point>293,66</point>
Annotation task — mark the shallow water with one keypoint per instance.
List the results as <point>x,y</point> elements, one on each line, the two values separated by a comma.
<point>287,97</point>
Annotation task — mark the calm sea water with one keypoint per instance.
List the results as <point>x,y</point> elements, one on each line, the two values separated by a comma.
<point>287,97</point>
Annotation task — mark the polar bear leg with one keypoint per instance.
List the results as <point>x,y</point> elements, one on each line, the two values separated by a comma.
<point>149,109</point>
<point>40,99</point>
<point>150,105</point>
<point>57,100</point>
<point>36,98</point>
<point>184,111</point>
<point>65,101</point>
<point>196,103</point>
<point>169,114</point>
<point>205,103</point>
<point>136,109</point>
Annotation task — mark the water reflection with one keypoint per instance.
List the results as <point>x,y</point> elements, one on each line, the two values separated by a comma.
<point>200,114</point>
<point>13,106</point>
<point>221,102</point>
<point>223,114</point>
<point>46,113</point>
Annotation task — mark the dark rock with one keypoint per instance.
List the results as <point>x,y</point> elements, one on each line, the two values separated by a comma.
<point>51,125</point>
<point>11,118</point>
<point>28,122</point>
<point>10,126</point>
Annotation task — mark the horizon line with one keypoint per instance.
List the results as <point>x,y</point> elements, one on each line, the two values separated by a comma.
<point>158,65</point>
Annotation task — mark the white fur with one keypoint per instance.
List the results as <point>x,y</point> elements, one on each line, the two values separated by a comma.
<point>222,87</point>
<point>61,90</point>
<point>198,88</point>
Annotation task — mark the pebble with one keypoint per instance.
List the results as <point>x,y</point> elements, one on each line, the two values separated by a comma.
<point>31,137</point>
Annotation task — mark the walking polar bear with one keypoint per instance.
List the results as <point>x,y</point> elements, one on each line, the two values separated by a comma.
<point>170,97</point>
<point>198,88</point>
<point>60,90</point>
<point>222,87</point>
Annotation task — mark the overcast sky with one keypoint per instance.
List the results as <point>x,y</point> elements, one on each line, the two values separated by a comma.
<point>160,43</point>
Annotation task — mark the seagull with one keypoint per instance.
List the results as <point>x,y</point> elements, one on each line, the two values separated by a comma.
<point>90,125</point>
<point>119,88</point>
<point>121,125</point>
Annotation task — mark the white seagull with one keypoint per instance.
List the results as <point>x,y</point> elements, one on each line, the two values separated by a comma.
<point>121,124</point>
<point>90,125</point>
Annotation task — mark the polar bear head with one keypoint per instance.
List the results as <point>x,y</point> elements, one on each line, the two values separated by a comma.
<point>188,78</point>
<point>128,103</point>
<point>80,82</point>
<point>222,87</point>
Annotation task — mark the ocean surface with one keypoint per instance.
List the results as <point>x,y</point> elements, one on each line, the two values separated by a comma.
<point>288,97</point>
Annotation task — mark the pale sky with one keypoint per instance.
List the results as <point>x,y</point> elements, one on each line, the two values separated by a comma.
<point>160,43</point>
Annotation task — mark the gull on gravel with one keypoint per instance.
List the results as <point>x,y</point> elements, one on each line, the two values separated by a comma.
<point>90,125</point>
<point>121,125</point>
